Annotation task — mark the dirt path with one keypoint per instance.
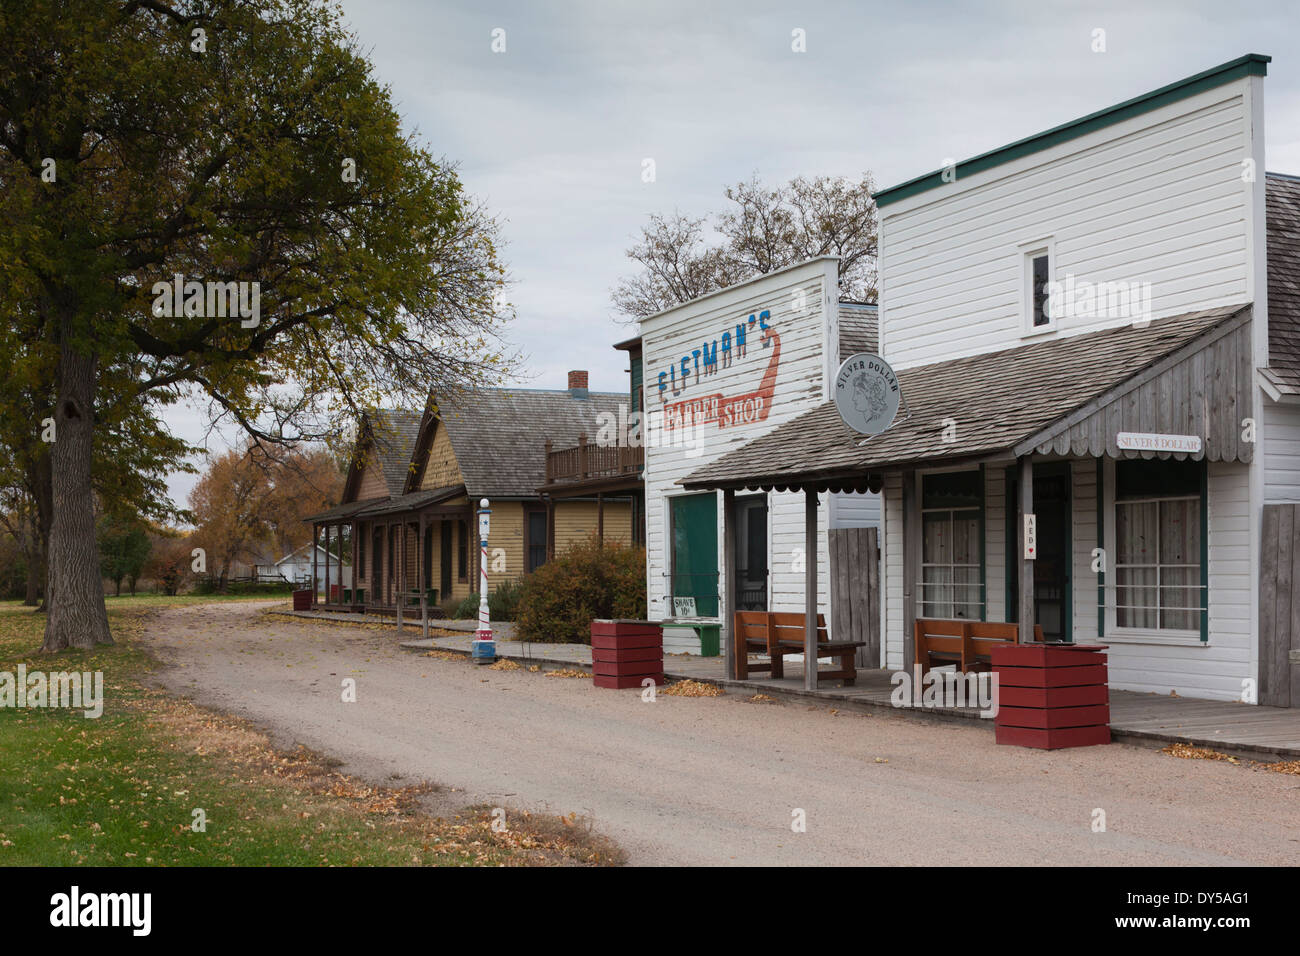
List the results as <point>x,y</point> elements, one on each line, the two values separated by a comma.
<point>716,781</point>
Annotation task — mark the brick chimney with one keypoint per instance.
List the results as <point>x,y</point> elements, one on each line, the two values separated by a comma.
<point>578,384</point>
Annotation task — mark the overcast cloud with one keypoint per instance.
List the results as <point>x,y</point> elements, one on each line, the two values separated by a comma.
<point>552,132</point>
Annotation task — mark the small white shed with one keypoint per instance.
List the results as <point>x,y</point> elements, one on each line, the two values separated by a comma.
<point>296,567</point>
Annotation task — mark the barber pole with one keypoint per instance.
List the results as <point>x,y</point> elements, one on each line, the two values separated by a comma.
<point>483,650</point>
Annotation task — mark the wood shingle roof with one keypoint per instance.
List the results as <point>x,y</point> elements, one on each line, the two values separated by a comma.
<point>499,434</point>
<point>992,402</point>
<point>1282,214</point>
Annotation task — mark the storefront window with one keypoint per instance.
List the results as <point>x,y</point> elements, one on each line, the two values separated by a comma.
<point>952,570</point>
<point>1158,544</point>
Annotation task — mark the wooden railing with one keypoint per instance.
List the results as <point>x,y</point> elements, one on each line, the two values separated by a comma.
<point>585,461</point>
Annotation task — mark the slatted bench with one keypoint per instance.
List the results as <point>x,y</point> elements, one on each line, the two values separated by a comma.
<point>968,644</point>
<point>778,634</point>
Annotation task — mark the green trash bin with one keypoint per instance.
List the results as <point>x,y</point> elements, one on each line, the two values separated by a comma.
<point>710,639</point>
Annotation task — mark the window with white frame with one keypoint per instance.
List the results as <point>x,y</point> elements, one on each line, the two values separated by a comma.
<point>1037,275</point>
<point>952,567</point>
<point>1158,546</point>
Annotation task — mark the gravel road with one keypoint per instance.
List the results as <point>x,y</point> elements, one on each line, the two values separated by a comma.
<point>702,781</point>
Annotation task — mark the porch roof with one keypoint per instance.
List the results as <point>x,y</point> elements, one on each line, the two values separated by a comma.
<point>1015,401</point>
<point>339,512</point>
<point>413,501</point>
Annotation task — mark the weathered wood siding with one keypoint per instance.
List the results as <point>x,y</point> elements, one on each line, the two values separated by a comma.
<point>1207,393</point>
<point>1279,607</point>
<point>855,590</point>
<point>1157,198</point>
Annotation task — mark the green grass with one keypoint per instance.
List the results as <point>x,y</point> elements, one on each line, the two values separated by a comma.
<point>121,789</point>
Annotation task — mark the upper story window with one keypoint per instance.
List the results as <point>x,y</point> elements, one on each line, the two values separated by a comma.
<point>1036,280</point>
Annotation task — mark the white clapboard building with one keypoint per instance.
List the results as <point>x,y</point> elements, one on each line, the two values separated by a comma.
<point>1097,330</point>
<point>718,372</point>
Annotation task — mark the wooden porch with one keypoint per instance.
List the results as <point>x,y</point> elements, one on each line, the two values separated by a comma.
<point>390,547</point>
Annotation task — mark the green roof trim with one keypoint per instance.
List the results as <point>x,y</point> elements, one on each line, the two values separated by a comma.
<point>1252,64</point>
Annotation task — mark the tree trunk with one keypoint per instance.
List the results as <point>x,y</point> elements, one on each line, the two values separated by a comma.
<point>77,616</point>
<point>43,491</point>
<point>118,584</point>
<point>33,595</point>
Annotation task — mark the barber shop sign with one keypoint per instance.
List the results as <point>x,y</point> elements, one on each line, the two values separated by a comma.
<point>725,352</point>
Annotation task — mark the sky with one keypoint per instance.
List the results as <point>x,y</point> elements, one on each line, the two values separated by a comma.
<point>553,132</point>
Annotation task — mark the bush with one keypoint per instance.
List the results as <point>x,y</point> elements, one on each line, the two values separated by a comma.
<point>561,598</point>
<point>503,603</point>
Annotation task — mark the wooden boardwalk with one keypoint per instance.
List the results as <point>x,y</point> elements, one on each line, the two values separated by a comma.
<point>1264,732</point>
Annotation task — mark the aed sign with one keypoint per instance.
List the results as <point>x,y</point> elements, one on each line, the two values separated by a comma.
<point>1143,441</point>
<point>1031,537</point>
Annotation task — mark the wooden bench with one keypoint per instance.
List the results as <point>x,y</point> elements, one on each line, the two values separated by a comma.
<point>778,634</point>
<point>965,643</point>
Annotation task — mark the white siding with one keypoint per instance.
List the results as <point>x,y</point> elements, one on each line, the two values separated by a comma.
<point>786,553</point>
<point>1280,443</point>
<point>857,510</point>
<point>1083,538</point>
<point>1214,670</point>
<point>1158,198</point>
<point>892,576</point>
<point>803,375</point>
<point>995,542</point>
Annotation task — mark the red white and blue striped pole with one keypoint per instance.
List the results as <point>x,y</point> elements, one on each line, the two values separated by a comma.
<point>483,650</point>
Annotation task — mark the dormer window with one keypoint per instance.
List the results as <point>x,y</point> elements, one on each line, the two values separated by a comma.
<point>1036,287</point>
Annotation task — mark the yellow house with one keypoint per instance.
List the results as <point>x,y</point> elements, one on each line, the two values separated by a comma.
<point>407,523</point>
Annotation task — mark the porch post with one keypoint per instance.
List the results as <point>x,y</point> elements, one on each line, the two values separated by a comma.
<point>356,568</point>
<point>1025,506</point>
<point>327,565</point>
<point>315,538</point>
<point>728,610</point>
<point>423,562</point>
<point>399,589</point>
<point>550,526</point>
<point>810,589</point>
<point>911,565</point>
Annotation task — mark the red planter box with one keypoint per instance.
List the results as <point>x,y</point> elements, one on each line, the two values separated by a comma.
<point>1052,718</point>
<point>1052,696</point>
<point>622,682</point>
<point>623,641</point>
<point>625,653</point>
<point>1053,739</point>
<point>620,654</point>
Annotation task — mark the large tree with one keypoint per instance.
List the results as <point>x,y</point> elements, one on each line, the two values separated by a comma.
<point>221,141</point>
<point>765,229</point>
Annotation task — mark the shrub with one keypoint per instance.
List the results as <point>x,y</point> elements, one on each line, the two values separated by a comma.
<point>561,598</point>
<point>503,603</point>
